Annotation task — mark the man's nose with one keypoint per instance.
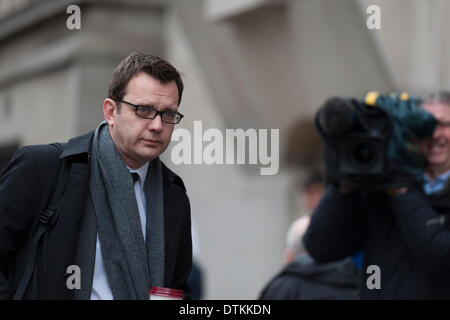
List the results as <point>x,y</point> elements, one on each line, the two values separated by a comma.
<point>438,132</point>
<point>155,124</point>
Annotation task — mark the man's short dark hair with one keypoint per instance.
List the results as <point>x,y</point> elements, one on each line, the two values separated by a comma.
<point>439,96</point>
<point>138,62</point>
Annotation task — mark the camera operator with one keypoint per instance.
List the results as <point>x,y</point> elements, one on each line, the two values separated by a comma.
<point>405,232</point>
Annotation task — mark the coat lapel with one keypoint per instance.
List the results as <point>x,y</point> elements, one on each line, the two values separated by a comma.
<point>86,251</point>
<point>173,210</point>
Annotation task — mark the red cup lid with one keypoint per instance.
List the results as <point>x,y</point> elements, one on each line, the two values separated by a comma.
<point>167,292</point>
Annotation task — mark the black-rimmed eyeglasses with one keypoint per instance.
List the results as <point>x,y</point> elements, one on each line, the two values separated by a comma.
<point>151,113</point>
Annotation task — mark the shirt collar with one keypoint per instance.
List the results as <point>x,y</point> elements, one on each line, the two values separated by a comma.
<point>438,183</point>
<point>142,172</point>
<point>440,178</point>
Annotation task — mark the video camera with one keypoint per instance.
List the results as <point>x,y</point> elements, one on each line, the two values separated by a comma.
<point>374,143</point>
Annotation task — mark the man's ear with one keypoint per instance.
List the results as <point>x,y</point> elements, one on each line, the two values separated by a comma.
<point>109,110</point>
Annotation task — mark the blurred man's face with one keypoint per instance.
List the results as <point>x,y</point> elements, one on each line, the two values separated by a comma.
<point>140,140</point>
<point>437,148</point>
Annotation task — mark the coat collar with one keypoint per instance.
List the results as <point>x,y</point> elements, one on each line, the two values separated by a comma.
<point>78,145</point>
<point>173,177</point>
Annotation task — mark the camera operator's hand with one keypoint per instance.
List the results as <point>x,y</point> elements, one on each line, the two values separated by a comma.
<point>396,191</point>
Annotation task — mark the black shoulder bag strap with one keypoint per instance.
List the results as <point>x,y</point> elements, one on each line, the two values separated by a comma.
<point>47,219</point>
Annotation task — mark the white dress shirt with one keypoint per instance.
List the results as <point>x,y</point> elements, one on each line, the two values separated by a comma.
<point>100,286</point>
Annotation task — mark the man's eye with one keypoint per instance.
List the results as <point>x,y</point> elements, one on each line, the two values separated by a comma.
<point>143,110</point>
<point>170,115</point>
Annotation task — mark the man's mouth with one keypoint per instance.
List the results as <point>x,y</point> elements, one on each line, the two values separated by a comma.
<point>152,142</point>
<point>437,145</point>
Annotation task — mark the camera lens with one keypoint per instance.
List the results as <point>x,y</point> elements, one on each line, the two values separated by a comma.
<point>363,153</point>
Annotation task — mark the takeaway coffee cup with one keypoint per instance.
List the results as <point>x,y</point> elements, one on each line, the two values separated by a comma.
<point>160,293</point>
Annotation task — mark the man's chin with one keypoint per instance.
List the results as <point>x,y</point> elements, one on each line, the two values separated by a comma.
<point>437,163</point>
<point>150,156</point>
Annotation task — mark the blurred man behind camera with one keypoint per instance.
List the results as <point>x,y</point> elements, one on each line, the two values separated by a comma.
<point>302,278</point>
<point>437,148</point>
<point>405,232</point>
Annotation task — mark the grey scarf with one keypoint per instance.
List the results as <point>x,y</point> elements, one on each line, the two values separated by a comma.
<point>132,265</point>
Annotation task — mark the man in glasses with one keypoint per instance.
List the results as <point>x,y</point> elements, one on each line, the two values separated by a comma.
<point>122,223</point>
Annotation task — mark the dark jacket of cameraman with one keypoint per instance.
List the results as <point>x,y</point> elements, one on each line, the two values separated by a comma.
<point>407,236</point>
